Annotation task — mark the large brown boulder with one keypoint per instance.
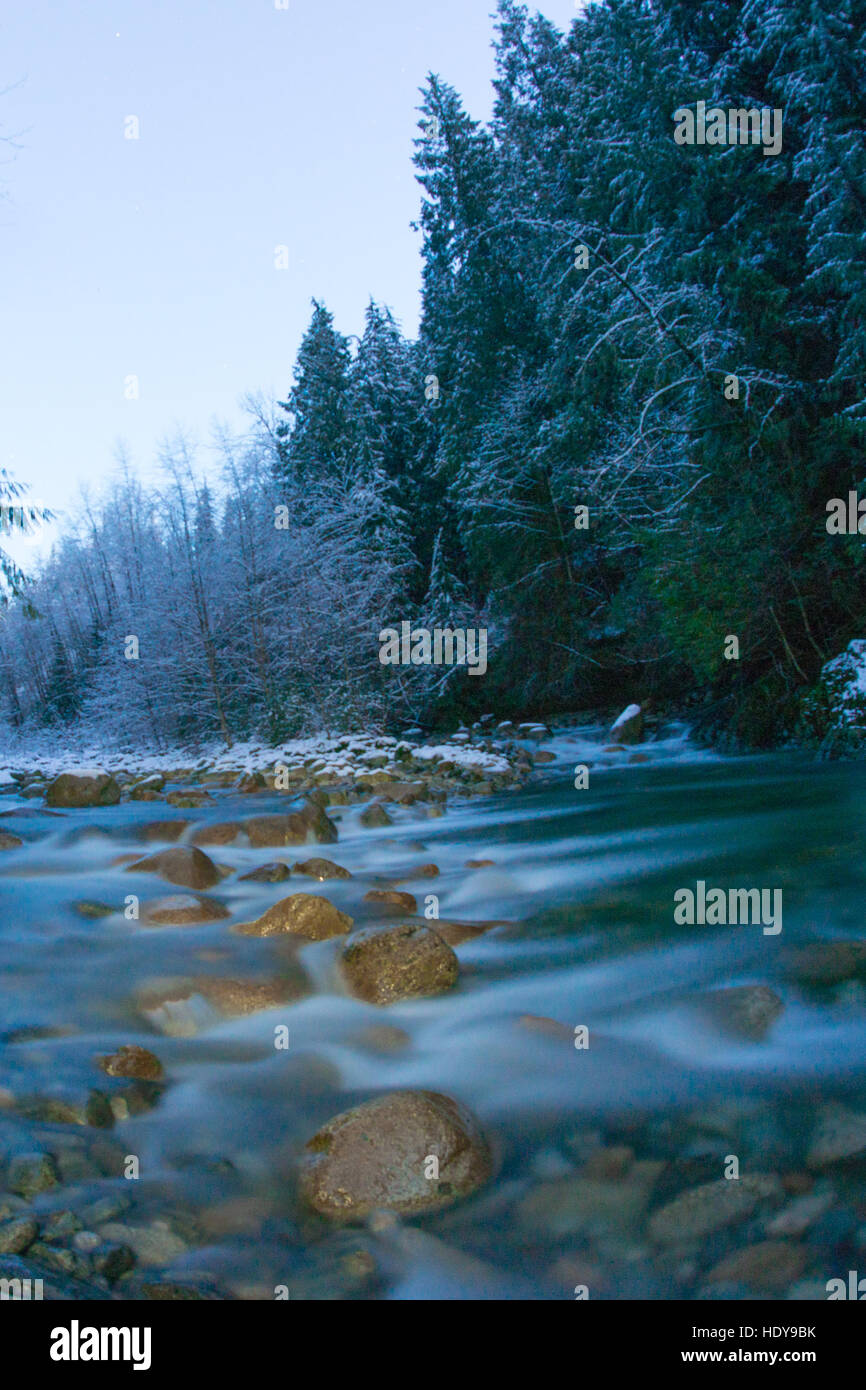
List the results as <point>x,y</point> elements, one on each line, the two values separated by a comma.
<point>301,914</point>
<point>190,868</point>
<point>379,1156</point>
<point>310,825</point>
<point>72,789</point>
<point>385,964</point>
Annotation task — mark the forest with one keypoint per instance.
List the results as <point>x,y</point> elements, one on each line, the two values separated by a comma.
<point>639,382</point>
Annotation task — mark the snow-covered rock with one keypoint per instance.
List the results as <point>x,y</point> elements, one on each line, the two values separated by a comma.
<point>629,726</point>
<point>834,711</point>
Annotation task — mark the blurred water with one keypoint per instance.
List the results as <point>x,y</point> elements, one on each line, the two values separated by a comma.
<point>584,880</point>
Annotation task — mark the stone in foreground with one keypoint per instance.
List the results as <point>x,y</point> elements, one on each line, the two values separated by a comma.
<point>377,1156</point>
<point>405,962</point>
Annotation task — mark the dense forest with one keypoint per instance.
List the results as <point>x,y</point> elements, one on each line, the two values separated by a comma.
<point>640,377</point>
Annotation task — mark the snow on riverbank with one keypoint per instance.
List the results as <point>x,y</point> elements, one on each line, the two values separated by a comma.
<point>334,757</point>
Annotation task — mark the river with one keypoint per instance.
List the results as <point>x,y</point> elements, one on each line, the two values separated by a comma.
<point>593,1131</point>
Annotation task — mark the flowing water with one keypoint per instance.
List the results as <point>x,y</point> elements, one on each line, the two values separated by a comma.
<point>588,1139</point>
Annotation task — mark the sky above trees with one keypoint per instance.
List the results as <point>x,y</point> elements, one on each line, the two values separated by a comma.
<point>155,257</point>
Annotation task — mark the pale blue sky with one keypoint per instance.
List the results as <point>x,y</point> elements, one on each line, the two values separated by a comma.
<point>259,127</point>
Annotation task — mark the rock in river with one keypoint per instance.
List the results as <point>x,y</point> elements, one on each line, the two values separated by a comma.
<point>745,1009</point>
<point>826,962</point>
<point>840,1133</point>
<point>182,1008</point>
<point>301,914</point>
<point>182,910</point>
<point>190,868</point>
<point>321,869</point>
<point>132,1060</point>
<point>308,825</point>
<point>72,789</point>
<point>391,963</point>
<point>768,1265</point>
<point>628,728</point>
<point>380,1156</point>
<point>392,900</point>
<point>277,871</point>
<point>17,1235</point>
<point>699,1211</point>
<point>221,833</point>
<point>30,1174</point>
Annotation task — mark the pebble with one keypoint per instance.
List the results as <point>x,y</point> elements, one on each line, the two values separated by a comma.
<point>839,1133</point>
<point>30,1174</point>
<point>769,1265</point>
<point>132,1060</point>
<point>699,1211</point>
<point>17,1235</point>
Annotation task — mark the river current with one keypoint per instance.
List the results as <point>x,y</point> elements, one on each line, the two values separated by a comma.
<point>592,1130</point>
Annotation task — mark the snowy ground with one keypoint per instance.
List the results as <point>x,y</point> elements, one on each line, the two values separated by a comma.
<point>338,757</point>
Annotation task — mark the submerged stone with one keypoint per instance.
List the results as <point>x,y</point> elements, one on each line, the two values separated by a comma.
<point>407,1152</point>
